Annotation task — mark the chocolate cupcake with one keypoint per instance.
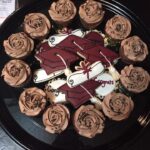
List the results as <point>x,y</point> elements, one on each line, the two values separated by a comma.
<point>133,50</point>
<point>91,14</point>
<point>37,25</point>
<point>134,79</point>
<point>56,118</point>
<point>118,28</point>
<point>32,101</point>
<point>88,121</point>
<point>117,106</point>
<point>62,12</point>
<point>16,73</point>
<point>18,45</point>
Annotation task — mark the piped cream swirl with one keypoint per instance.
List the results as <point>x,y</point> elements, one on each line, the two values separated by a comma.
<point>88,121</point>
<point>18,45</point>
<point>118,27</point>
<point>32,101</point>
<point>36,25</point>
<point>135,79</point>
<point>91,11</point>
<point>56,118</point>
<point>133,49</point>
<point>62,10</point>
<point>117,106</point>
<point>16,73</point>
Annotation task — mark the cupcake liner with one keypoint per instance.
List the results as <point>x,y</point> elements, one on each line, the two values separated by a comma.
<point>89,25</point>
<point>26,83</point>
<point>63,23</point>
<point>124,58</point>
<point>22,58</point>
<point>123,90</point>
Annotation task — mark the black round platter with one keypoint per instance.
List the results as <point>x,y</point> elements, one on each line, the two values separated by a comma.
<point>29,131</point>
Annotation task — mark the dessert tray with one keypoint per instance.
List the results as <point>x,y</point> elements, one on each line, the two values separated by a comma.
<point>73,81</point>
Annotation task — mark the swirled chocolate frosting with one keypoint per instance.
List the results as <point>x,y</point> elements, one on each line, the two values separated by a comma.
<point>134,79</point>
<point>32,101</point>
<point>91,11</point>
<point>118,27</point>
<point>56,118</point>
<point>62,11</point>
<point>36,25</point>
<point>16,73</point>
<point>133,49</point>
<point>18,45</point>
<point>117,106</point>
<point>88,121</point>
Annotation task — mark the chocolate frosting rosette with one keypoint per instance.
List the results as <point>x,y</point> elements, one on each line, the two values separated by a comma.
<point>32,101</point>
<point>37,25</point>
<point>91,14</point>
<point>117,106</point>
<point>134,79</point>
<point>16,73</point>
<point>88,121</point>
<point>62,12</point>
<point>18,45</point>
<point>56,118</point>
<point>133,50</point>
<point>118,27</point>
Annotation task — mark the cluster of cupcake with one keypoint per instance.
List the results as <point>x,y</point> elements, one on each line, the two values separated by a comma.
<point>132,51</point>
<point>93,77</point>
<point>90,12</point>
<point>20,45</point>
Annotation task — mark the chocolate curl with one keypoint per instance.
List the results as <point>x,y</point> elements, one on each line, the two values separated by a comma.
<point>112,70</point>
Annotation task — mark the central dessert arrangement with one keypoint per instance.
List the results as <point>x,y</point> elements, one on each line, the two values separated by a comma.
<point>78,67</point>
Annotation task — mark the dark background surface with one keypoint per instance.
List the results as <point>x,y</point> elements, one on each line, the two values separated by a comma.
<point>142,9</point>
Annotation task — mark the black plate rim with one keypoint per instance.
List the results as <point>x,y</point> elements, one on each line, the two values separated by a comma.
<point>37,144</point>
